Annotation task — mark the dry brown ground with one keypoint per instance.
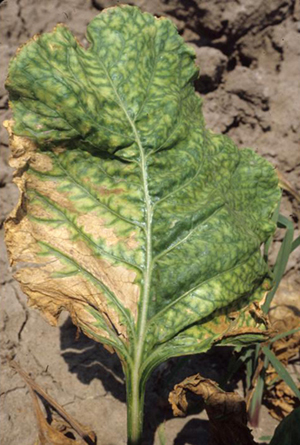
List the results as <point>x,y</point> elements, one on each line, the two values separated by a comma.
<point>249,54</point>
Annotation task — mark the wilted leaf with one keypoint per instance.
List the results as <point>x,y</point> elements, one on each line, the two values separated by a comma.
<point>54,429</point>
<point>133,216</point>
<point>226,410</point>
<point>284,317</point>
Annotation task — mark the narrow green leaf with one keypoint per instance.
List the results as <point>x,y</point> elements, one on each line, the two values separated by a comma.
<point>295,244</point>
<point>284,334</point>
<point>257,396</point>
<point>283,221</point>
<point>281,370</point>
<point>256,401</point>
<point>249,372</point>
<point>282,258</point>
<point>256,355</point>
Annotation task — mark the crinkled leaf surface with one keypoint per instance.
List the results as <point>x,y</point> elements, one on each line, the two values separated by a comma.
<point>142,223</point>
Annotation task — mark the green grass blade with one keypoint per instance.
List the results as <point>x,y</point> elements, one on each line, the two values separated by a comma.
<point>249,373</point>
<point>257,396</point>
<point>284,222</point>
<point>295,244</point>
<point>284,334</point>
<point>257,351</point>
<point>281,370</point>
<point>282,258</point>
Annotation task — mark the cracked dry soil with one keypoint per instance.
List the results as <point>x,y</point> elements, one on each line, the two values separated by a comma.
<point>249,55</point>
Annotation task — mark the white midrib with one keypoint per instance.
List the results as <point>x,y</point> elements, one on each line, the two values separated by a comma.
<point>148,270</point>
<point>142,319</point>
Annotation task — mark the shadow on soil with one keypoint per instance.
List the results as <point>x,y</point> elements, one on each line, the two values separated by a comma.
<point>89,360</point>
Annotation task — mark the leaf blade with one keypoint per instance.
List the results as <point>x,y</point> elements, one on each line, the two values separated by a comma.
<point>156,207</point>
<point>280,369</point>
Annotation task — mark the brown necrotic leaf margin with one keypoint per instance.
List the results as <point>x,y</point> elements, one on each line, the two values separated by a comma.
<point>44,292</point>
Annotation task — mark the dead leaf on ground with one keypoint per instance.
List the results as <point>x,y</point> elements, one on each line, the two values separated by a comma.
<point>226,410</point>
<point>58,428</point>
<point>284,316</point>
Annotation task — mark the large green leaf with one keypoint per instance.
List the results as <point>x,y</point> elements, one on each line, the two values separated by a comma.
<point>288,431</point>
<point>137,219</point>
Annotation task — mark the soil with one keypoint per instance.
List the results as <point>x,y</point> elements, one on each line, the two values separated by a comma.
<point>249,55</point>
